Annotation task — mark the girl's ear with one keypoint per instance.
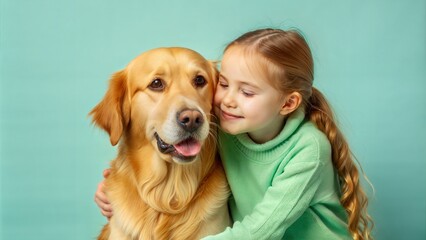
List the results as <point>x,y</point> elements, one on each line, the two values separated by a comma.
<point>291,103</point>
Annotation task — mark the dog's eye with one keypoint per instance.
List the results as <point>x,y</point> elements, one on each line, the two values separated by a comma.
<point>200,81</point>
<point>156,85</point>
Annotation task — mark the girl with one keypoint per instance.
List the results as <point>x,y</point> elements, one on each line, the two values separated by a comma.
<point>290,169</point>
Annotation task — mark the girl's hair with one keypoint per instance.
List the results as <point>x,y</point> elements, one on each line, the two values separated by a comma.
<point>284,58</point>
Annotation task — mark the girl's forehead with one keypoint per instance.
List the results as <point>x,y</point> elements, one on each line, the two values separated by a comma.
<point>239,62</point>
<point>235,57</point>
<point>248,66</point>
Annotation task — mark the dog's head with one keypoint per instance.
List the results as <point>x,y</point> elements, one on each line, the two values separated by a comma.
<point>163,98</point>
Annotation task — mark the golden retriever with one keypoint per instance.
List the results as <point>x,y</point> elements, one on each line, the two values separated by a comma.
<point>166,182</point>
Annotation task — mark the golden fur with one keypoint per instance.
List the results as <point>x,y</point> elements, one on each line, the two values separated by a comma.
<point>163,97</point>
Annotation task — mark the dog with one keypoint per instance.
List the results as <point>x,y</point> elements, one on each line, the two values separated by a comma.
<point>167,181</point>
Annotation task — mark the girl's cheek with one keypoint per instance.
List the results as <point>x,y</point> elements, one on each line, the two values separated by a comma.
<point>217,98</point>
<point>216,104</point>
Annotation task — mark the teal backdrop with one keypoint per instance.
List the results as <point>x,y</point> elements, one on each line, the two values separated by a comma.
<point>57,56</point>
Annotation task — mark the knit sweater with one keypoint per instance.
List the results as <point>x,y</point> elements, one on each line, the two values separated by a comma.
<point>285,188</point>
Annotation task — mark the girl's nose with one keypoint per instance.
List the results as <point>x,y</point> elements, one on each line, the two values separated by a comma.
<point>229,101</point>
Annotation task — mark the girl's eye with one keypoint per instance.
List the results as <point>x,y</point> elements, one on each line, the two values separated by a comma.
<point>156,85</point>
<point>222,84</point>
<point>199,81</point>
<point>247,94</point>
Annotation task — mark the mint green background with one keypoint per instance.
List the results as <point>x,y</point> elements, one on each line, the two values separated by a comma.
<point>56,58</point>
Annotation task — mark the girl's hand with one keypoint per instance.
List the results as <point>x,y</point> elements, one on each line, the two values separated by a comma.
<point>101,198</point>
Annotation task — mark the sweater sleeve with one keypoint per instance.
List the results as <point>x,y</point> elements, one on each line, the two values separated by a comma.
<point>284,202</point>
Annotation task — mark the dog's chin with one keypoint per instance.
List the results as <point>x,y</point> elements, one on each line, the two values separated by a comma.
<point>184,160</point>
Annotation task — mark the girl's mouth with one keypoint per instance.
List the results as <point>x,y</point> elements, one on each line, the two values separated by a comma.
<point>229,116</point>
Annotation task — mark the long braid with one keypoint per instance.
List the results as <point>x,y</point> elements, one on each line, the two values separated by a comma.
<point>353,197</point>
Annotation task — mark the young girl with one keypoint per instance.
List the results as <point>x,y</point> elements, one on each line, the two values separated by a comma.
<point>290,170</point>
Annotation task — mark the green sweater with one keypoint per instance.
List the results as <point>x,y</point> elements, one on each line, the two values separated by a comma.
<point>286,188</point>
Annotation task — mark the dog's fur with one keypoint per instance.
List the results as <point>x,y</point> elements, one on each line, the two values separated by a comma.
<point>161,100</point>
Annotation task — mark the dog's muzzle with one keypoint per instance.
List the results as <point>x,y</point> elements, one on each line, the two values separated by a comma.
<point>190,120</point>
<point>185,150</point>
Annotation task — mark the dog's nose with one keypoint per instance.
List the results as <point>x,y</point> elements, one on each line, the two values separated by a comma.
<point>190,120</point>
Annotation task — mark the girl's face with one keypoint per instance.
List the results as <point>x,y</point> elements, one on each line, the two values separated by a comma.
<point>245,102</point>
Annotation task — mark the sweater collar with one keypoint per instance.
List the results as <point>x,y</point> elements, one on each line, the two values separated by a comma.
<point>292,124</point>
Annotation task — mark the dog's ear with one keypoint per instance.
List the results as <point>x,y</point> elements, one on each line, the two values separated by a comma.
<point>215,72</point>
<point>113,113</point>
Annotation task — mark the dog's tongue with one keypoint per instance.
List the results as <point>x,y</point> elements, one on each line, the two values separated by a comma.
<point>188,148</point>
